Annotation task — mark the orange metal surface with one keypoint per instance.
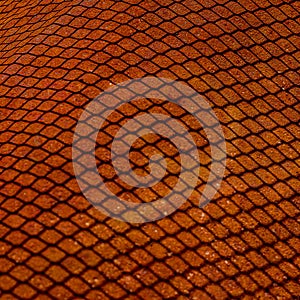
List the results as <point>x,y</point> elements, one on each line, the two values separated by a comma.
<point>243,56</point>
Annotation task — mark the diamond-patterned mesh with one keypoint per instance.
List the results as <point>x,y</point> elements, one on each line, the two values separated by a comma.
<point>243,56</point>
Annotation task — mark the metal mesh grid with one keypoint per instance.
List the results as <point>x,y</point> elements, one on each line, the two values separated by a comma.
<point>56,56</point>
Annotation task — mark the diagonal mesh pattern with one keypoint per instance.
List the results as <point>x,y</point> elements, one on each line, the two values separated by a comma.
<point>56,56</point>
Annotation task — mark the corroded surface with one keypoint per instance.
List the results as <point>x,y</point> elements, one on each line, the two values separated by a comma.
<point>243,56</point>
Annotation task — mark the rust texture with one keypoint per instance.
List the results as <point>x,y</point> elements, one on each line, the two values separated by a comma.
<point>243,56</point>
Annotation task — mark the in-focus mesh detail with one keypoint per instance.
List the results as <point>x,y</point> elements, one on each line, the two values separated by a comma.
<point>243,56</point>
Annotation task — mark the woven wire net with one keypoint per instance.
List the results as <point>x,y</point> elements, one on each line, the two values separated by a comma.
<point>244,57</point>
